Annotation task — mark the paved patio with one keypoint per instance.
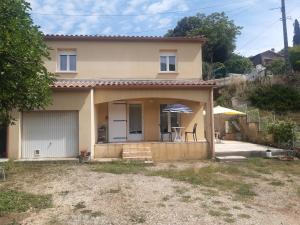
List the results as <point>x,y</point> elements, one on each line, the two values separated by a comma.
<point>226,148</point>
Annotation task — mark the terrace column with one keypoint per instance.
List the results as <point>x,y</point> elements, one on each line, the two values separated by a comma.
<point>210,130</point>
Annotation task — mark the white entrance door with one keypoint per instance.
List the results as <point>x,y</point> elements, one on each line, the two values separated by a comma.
<point>135,122</point>
<point>50,134</point>
<point>117,122</point>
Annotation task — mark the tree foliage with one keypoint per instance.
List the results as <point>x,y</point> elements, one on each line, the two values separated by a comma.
<point>295,57</point>
<point>277,67</point>
<point>296,39</point>
<point>277,98</point>
<point>238,64</point>
<point>220,31</point>
<point>24,81</point>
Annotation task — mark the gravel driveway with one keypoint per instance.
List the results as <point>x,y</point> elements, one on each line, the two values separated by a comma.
<point>83,196</point>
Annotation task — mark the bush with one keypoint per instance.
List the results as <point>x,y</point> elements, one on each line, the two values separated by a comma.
<point>283,132</point>
<point>278,98</point>
<point>295,57</point>
<point>238,64</point>
<point>277,67</point>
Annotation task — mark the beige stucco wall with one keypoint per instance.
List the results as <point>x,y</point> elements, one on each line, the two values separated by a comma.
<point>79,100</point>
<point>128,60</point>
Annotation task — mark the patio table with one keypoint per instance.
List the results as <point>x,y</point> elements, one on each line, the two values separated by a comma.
<point>178,133</point>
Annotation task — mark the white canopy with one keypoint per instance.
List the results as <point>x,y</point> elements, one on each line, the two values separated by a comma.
<point>226,111</point>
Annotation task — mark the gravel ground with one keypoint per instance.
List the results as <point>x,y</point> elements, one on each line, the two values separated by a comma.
<point>81,196</point>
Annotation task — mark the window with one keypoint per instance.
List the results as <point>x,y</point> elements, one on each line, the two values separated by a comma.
<point>67,61</point>
<point>168,62</point>
<point>168,120</point>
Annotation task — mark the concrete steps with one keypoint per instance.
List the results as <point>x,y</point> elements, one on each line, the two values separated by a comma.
<point>135,153</point>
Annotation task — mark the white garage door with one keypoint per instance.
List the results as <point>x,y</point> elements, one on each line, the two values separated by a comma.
<point>50,134</point>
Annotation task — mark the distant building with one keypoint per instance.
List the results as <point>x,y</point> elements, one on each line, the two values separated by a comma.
<point>265,58</point>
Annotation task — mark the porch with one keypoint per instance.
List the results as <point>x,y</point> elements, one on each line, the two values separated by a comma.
<point>140,128</point>
<point>156,151</point>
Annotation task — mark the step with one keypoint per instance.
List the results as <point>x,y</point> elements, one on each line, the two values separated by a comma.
<point>232,158</point>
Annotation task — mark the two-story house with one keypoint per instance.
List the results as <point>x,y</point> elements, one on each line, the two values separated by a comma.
<point>113,94</point>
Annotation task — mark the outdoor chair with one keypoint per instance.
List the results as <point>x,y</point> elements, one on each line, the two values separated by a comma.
<point>194,132</point>
<point>165,132</point>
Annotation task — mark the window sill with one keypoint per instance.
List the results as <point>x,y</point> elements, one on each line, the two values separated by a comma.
<point>66,72</point>
<point>168,72</point>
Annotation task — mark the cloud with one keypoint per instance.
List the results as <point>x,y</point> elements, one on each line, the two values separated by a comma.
<point>166,5</point>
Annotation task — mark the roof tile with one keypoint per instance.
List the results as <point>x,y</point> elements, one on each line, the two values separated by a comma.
<point>102,83</point>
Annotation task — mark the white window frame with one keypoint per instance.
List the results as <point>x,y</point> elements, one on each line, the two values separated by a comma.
<point>168,54</point>
<point>68,53</point>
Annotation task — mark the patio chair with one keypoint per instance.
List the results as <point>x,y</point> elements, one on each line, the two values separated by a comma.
<point>194,132</point>
<point>165,132</point>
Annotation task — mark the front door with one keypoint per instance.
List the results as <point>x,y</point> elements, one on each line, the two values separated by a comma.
<point>117,122</point>
<point>135,122</point>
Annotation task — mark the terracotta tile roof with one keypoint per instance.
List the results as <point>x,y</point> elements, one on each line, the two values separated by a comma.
<point>104,83</point>
<point>56,37</point>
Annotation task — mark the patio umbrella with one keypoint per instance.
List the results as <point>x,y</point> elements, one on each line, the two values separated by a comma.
<point>177,108</point>
<point>226,111</point>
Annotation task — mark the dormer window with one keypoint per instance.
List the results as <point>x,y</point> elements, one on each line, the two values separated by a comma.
<point>167,61</point>
<point>67,60</point>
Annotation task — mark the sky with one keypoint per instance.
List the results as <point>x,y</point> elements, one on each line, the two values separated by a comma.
<point>260,19</point>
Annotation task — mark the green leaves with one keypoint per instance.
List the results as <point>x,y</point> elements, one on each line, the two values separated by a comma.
<point>238,64</point>
<point>282,131</point>
<point>24,80</point>
<point>217,27</point>
<point>277,98</point>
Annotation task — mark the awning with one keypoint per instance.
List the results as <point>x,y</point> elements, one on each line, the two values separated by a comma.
<point>177,108</point>
<point>226,111</point>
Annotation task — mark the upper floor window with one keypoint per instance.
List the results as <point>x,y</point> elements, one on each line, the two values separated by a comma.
<point>67,60</point>
<point>167,61</point>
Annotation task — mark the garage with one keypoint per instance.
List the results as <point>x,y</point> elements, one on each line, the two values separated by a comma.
<point>50,134</point>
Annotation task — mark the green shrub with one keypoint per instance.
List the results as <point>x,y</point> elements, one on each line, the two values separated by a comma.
<point>295,57</point>
<point>282,131</point>
<point>276,67</point>
<point>277,98</point>
<point>238,64</point>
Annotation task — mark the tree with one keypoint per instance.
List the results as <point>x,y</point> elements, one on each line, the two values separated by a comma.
<point>296,39</point>
<point>238,64</point>
<point>24,81</point>
<point>294,53</point>
<point>277,67</point>
<point>220,31</point>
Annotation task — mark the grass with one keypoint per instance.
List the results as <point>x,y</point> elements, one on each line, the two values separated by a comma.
<point>214,176</point>
<point>244,216</point>
<point>214,213</point>
<point>137,218</point>
<point>119,167</point>
<point>114,190</point>
<point>79,205</point>
<point>298,191</point>
<point>276,183</point>
<point>15,201</point>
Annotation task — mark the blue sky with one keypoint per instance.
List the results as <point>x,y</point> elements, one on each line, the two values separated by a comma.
<point>262,28</point>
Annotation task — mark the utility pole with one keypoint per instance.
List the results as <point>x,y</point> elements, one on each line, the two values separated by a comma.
<point>285,36</point>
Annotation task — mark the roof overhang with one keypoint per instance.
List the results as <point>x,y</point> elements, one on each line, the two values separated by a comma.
<point>151,84</point>
<point>197,39</point>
